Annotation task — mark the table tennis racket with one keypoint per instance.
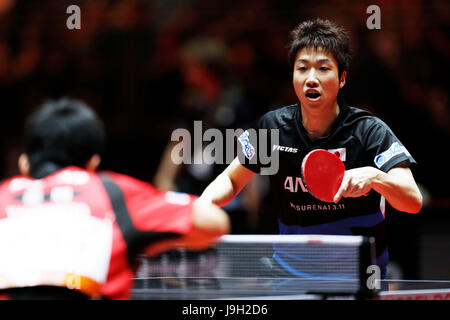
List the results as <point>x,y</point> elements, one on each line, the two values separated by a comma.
<point>322,174</point>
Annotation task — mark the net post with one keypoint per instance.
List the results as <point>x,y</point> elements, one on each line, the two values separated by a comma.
<point>367,257</point>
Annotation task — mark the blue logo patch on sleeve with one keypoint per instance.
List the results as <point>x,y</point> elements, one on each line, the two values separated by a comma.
<point>393,150</point>
<point>380,160</point>
<point>247,148</point>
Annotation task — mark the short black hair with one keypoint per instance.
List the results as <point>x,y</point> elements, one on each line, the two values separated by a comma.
<point>61,133</point>
<point>323,34</point>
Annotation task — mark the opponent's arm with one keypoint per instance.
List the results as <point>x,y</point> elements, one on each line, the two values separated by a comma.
<point>397,186</point>
<point>208,223</point>
<point>208,220</point>
<point>227,184</point>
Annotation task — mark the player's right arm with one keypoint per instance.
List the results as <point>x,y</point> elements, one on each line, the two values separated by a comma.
<point>227,185</point>
<point>209,222</point>
<point>170,219</point>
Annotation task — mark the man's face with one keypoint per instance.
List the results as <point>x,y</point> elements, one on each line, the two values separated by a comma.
<point>316,78</point>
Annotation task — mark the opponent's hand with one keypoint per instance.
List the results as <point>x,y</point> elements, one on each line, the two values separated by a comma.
<point>356,183</point>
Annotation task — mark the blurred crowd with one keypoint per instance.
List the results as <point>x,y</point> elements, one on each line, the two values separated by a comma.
<point>150,66</point>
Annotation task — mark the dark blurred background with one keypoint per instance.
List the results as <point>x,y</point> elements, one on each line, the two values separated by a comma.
<point>150,66</point>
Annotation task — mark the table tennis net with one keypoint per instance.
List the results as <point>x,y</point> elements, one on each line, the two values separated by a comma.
<point>255,266</point>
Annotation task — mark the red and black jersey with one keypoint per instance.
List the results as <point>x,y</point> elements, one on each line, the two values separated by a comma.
<point>83,230</point>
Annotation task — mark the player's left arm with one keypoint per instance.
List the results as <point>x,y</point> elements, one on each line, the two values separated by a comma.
<point>397,186</point>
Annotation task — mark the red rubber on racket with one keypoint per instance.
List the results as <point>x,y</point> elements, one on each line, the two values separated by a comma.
<point>322,174</point>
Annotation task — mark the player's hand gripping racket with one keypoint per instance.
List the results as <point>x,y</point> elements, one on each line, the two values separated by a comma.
<point>322,174</point>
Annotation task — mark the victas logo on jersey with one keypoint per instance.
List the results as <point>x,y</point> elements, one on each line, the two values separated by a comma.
<point>283,148</point>
<point>394,149</point>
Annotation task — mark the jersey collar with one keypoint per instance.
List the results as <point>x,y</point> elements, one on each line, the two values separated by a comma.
<point>334,127</point>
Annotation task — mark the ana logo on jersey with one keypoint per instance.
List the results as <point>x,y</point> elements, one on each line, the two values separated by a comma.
<point>283,148</point>
<point>394,149</point>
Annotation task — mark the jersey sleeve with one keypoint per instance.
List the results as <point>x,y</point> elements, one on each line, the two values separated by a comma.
<point>384,148</point>
<point>155,210</point>
<point>254,146</point>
